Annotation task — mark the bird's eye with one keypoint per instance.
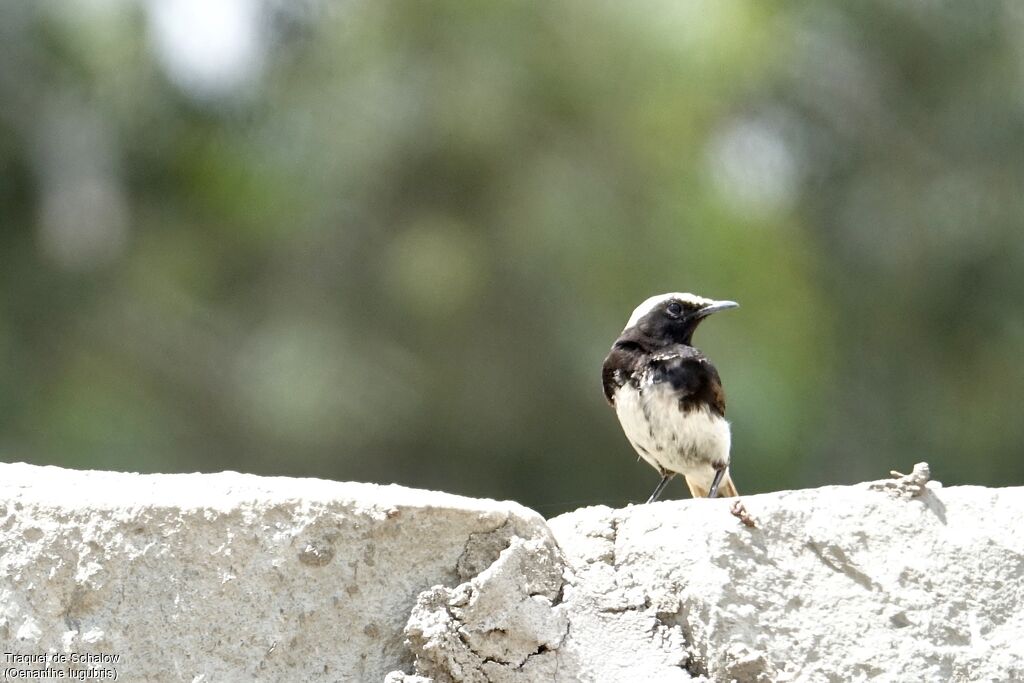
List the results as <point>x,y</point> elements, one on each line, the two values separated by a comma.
<point>674,309</point>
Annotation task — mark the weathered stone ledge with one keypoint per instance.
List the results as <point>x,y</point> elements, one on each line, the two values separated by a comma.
<point>225,577</point>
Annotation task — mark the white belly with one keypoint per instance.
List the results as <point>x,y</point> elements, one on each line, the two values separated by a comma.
<point>668,438</point>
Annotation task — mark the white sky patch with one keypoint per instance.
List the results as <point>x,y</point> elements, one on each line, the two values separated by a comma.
<point>208,48</point>
<point>753,167</point>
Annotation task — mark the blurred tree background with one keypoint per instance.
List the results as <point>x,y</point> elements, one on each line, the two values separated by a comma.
<point>393,241</point>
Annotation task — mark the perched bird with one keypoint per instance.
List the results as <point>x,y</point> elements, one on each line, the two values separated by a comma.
<point>668,395</point>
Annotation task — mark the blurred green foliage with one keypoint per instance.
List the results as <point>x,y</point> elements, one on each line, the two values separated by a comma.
<point>392,241</point>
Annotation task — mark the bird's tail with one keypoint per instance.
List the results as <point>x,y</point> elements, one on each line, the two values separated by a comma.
<point>726,489</point>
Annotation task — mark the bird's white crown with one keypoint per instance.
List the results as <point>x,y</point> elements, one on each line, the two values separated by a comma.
<point>658,299</point>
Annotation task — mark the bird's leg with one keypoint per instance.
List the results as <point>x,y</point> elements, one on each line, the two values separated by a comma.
<point>666,477</point>
<point>719,473</point>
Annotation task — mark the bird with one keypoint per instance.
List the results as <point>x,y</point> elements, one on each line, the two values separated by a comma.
<point>669,397</point>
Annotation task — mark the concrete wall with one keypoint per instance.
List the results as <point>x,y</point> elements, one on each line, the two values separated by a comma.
<point>231,577</point>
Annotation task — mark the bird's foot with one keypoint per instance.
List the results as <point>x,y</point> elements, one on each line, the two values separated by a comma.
<point>666,477</point>
<point>719,473</point>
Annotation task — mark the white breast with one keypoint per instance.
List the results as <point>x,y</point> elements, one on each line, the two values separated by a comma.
<point>668,438</point>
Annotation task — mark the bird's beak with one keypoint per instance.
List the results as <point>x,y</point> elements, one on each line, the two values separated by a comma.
<point>713,308</point>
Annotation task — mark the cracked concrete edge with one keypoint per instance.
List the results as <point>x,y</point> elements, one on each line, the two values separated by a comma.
<point>898,579</point>
<point>530,617</point>
<point>230,576</point>
<point>504,624</point>
<point>236,577</point>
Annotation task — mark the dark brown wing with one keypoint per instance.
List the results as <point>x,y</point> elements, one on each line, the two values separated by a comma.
<point>618,368</point>
<point>692,375</point>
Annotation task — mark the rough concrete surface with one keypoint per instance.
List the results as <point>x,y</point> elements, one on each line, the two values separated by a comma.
<point>233,577</point>
<point>833,584</point>
<point>230,577</point>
